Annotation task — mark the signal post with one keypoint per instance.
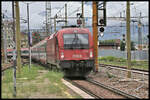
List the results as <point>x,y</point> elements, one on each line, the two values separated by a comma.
<point>95,35</point>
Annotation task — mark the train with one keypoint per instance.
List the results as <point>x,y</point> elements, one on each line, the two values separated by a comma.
<point>69,49</point>
<point>24,52</point>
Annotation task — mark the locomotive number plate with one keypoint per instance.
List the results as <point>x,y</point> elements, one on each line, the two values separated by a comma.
<point>77,56</point>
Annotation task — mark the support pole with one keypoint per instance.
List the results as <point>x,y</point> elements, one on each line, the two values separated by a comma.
<point>83,23</point>
<point>46,20</point>
<point>65,14</point>
<point>18,37</point>
<point>139,34</point>
<point>55,24</point>
<point>128,40</point>
<point>14,52</point>
<point>5,27</point>
<point>29,37</point>
<point>50,20</point>
<point>95,35</point>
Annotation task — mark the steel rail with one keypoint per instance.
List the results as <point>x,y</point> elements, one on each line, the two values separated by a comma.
<point>5,68</point>
<point>84,89</point>
<point>112,89</point>
<point>124,68</point>
<point>11,66</point>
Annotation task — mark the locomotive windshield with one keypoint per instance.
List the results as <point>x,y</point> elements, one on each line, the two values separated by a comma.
<point>76,41</point>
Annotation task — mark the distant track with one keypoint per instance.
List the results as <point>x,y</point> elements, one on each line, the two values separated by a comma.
<point>7,66</point>
<point>10,65</point>
<point>123,67</point>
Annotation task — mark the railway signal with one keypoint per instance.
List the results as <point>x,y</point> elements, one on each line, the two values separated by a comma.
<point>79,22</point>
<point>123,39</point>
<point>101,11</point>
<point>101,31</point>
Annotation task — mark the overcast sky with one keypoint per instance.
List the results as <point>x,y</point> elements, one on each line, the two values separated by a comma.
<point>37,11</point>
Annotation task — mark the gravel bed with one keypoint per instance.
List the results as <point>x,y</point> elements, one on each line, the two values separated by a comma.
<point>135,86</point>
<point>104,93</point>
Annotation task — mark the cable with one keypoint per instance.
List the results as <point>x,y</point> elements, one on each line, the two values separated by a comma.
<point>75,11</point>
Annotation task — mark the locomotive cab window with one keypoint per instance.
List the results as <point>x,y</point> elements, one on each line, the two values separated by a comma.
<point>76,41</point>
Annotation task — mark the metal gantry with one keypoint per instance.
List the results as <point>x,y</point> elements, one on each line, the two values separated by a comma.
<point>48,18</point>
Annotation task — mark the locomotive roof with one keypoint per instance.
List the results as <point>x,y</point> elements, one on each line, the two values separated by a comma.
<point>41,42</point>
<point>70,30</point>
<point>64,30</point>
<point>80,30</point>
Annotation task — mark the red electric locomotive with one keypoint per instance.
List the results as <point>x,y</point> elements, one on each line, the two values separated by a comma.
<point>70,49</point>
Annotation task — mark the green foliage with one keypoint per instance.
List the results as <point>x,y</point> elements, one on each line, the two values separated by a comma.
<point>132,45</point>
<point>123,62</point>
<point>107,41</point>
<point>110,58</point>
<point>103,58</point>
<point>122,46</point>
<point>36,38</point>
<point>31,73</point>
<point>8,76</point>
<point>54,76</point>
<point>32,81</point>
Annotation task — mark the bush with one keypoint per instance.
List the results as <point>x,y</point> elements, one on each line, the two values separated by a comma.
<point>111,58</point>
<point>108,58</point>
<point>121,60</point>
<point>103,58</point>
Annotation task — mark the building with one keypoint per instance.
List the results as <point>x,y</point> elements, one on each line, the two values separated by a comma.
<point>112,44</point>
<point>24,40</point>
<point>7,30</point>
<point>144,47</point>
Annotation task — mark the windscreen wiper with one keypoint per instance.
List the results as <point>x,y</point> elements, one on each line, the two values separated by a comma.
<point>75,40</point>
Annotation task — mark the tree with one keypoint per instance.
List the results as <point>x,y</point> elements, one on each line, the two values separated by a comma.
<point>122,46</point>
<point>36,38</point>
<point>132,45</point>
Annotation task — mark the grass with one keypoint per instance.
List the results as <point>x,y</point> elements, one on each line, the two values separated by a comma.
<point>32,83</point>
<point>123,62</point>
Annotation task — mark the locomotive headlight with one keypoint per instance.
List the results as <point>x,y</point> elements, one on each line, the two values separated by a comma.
<point>91,54</point>
<point>62,55</point>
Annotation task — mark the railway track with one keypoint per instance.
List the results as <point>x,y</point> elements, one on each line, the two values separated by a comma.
<point>6,66</point>
<point>11,65</point>
<point>83,88</point>
<point>114,90</point>
<point>99,90</point>
<point>123,67</point>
